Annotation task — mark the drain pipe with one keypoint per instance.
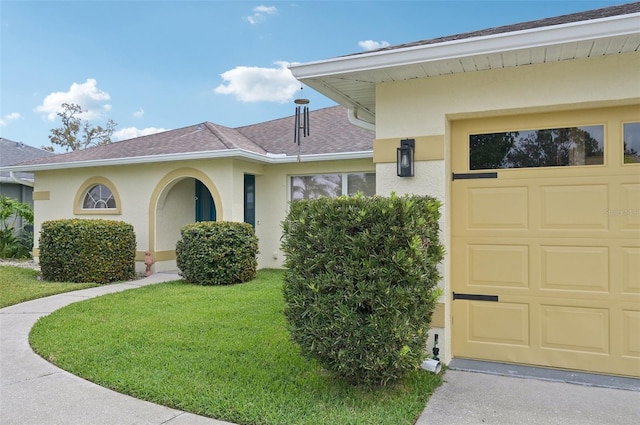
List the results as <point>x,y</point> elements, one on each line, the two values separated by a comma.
<point>353,119</point>
<point>14,179</point>
<point>433,365</point>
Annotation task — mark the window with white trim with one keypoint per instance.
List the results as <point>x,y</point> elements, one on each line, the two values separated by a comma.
<point>99,196</point>
<point>332,185</point>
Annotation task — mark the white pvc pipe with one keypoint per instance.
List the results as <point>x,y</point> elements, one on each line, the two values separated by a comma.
<point>432,366</point>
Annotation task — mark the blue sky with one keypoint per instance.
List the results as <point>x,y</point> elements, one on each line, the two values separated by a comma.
<point>159,65</point>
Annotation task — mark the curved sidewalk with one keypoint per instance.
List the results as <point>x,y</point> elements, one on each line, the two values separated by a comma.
<point>35,392</point>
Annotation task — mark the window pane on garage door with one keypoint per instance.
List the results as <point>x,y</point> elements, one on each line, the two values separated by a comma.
<point>555,147</point>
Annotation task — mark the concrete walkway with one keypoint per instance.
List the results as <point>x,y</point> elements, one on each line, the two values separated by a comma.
<point>469,398</point>
<point>34,392</point>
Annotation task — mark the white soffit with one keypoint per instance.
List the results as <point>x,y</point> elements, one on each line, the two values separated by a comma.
<point>350,80</point>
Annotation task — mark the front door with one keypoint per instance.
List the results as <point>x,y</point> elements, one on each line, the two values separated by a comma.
<point>205,207</point>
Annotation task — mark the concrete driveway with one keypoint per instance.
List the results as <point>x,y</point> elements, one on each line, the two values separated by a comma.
<point>468,398</point>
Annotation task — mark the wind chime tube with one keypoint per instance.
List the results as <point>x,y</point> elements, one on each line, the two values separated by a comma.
<point>301,123</point>
<point>296,127</point>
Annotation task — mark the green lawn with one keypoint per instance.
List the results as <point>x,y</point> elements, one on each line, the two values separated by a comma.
<point>19,285</point>
<point>221,351</point>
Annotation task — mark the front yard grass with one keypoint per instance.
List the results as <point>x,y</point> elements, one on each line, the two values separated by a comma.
<point>18,285</point>
<point>218,351</point>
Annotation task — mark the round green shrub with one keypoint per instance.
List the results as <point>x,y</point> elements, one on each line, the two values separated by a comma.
<point>361,282</point>
<point>217,253</point>
<point>81,250</point>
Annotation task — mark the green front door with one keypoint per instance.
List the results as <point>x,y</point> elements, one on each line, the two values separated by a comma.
<point>205,208</point>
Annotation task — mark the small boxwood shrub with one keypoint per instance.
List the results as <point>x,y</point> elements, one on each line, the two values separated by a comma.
<point>87,250</point>
<point>217,253</point>
<point>361,282</point>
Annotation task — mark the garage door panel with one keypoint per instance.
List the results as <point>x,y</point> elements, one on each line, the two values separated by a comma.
<point>630,270</point>
<point>574,207</point>
<point>498,208</point>
<point>498,265</point>
<point>500,323</point>
<point>575,268</point>
<point>582,329</point>
<point>631,333</point>
<point>629,212</point>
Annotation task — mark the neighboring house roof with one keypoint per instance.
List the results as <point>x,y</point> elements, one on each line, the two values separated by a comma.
<point>331,136</point>
<point>350,80</point>
<point>12,153</point>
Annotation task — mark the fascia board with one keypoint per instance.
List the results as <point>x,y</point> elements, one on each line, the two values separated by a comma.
<point>455,49</point>
<point>231,153</point>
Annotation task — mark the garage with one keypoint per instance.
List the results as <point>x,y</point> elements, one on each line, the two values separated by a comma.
<point>545,239</point>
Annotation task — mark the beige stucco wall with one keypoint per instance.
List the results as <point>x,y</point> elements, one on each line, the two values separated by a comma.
<point>158,199</point>
<point>425,107</point>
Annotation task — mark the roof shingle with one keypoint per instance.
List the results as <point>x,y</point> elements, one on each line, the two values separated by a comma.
<point>331,132</point>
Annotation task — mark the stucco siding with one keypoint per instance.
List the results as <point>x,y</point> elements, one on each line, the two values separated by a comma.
<point>425,107</point>
<point>418,107</point>
<point>158,199</point>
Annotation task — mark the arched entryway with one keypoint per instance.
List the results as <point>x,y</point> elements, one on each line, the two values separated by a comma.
<point>182,197</point>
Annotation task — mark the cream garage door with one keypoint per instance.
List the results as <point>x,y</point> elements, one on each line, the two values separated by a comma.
<point>545,240</point>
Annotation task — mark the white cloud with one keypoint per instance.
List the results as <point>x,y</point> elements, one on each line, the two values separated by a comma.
<point>139,113</point>
<point>13,116</point>
<point>131,132</point>
<point>260,12</point>
<point>372,45</point>
<point>87,95</point>
<point>253,84</point>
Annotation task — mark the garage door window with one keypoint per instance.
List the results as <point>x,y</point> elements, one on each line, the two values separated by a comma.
<point>555,147</point>
<point>632,143</point>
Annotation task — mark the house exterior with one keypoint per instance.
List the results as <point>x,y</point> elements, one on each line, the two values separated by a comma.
<point>161,182</point>
<point>529,134</point>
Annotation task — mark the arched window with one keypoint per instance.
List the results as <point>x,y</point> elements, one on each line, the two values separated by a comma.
<point>99,196</point>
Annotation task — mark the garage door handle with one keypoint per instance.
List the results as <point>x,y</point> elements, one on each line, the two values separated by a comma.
<point>475,297</point>
<point>467,176</point>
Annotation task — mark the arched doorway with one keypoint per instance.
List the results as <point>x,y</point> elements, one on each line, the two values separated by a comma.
<point>182,197</point>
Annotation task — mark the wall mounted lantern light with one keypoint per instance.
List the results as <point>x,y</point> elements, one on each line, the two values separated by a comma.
<point>405,157</point>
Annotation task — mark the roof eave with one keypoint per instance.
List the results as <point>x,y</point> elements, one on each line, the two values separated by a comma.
<point>482,45</point>
<point>231,153</point>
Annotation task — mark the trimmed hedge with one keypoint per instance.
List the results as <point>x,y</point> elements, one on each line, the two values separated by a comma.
<point>87,250</point>
<point>217,253</point>
<point>361,282</point>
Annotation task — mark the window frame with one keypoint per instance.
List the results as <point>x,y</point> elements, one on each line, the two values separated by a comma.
<point>344,175</point>
<point>623,132</point>
<point>602,144</point>
<point>78,205</point>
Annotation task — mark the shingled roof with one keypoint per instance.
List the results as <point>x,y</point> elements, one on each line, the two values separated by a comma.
<point>12,153</point>
<point>606,12</point>
<point>331,132</point>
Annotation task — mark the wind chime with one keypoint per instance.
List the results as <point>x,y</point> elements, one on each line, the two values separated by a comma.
<point>301,128</point>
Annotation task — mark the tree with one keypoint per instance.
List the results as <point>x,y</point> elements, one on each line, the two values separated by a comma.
<point>76,133</point>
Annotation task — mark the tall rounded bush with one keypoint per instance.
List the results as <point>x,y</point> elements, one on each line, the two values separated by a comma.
<point>360,282</point>
<point>217,252</point>
<point>75,250</point>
